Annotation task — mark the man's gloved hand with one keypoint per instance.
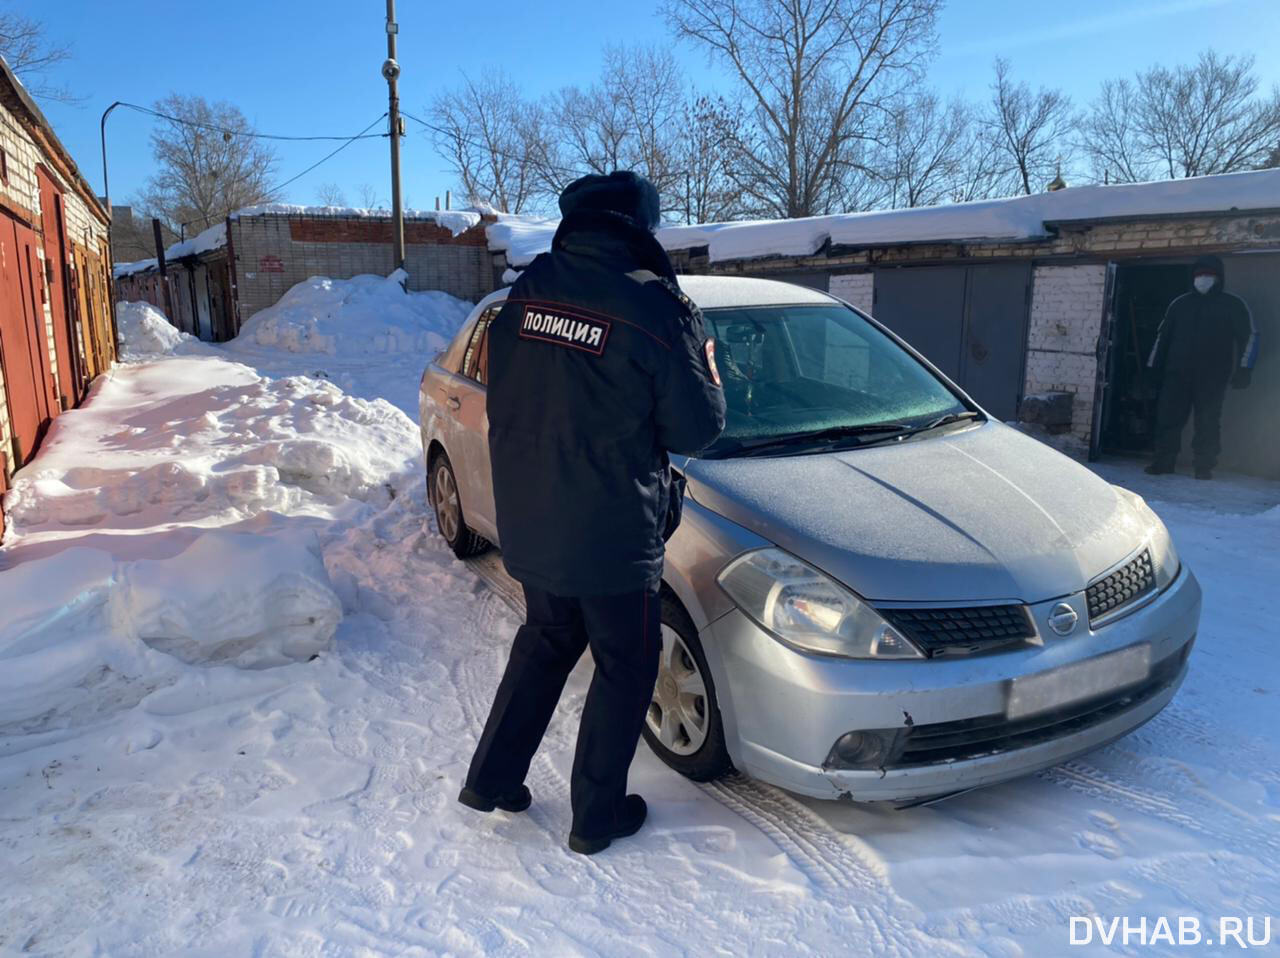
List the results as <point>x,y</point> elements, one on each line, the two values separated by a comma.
<point>1241,379</point>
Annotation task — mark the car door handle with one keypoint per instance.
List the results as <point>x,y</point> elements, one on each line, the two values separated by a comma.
<point>454,403</point>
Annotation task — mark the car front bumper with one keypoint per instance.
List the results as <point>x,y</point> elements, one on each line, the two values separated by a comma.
<point>784,710</point>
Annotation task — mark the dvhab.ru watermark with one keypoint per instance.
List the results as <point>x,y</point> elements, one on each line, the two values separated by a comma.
<point>1227,931</point>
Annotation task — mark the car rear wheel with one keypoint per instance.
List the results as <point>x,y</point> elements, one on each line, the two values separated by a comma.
<point>683,725</point>
<point>442,487</point>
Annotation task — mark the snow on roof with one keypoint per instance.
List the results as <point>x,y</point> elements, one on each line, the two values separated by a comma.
<point>215,237</point>
<point>128,269</point>
<point>456,221</point>
<point>1014,218</point>
<point>521,237</point>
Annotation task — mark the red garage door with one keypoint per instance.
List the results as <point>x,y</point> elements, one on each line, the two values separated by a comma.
<point>23,344</point>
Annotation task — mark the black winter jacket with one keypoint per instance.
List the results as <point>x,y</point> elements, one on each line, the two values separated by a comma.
<point>1209,336</point>
<point>598,366</point>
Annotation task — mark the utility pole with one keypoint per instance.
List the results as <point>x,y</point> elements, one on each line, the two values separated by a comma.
<point>391,71</point>
<point>164,273</point>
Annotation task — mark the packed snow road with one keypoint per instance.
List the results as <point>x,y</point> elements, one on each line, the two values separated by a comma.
<point>238,723</point>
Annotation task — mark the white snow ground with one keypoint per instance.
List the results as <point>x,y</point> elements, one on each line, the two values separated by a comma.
<point>181,798</point>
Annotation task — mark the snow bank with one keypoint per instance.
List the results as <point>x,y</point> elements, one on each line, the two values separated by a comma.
<point>362,315</point>
<point>146,333</point>
<point>1014,218</point>
<point>85,633</point>
<point>275,606</point>
<point>177,520</point>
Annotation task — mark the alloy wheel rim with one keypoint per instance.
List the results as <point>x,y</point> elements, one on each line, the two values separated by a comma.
<point>447,507</point>
<point>679,713</point>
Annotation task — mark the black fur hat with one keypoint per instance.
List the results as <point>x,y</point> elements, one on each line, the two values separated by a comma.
<point>622,191</point>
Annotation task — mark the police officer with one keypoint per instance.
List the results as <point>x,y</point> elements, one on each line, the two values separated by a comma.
<point>598,366</point>
<point>1207,339</point>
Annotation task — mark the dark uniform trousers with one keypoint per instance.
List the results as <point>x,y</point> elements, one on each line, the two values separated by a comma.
<point>1180,395</point>
<point>623,632</point>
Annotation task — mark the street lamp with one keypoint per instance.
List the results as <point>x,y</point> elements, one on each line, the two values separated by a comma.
<point>106,188</point>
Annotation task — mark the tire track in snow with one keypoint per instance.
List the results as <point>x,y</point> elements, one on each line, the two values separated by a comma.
<point>1190,809</point>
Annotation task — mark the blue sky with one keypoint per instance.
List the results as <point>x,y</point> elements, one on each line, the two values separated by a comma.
<point>312,67</point>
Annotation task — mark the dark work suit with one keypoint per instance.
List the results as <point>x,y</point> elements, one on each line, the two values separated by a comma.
<point>1205,341</point>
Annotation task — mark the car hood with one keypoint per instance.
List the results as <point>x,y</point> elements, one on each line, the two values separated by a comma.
<point>986,513</point>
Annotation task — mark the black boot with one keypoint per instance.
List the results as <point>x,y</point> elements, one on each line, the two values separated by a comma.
<point>628,822</point>
<point>517,801</point>
<point>1204,472</point>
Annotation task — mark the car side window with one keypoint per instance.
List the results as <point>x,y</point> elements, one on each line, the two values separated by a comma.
<point>475,363</point>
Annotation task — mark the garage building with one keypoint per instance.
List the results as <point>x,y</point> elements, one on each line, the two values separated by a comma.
<point>1055,292</point>
<point>56,326</point>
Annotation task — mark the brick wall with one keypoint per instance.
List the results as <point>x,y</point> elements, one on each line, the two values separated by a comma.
<point>274,251</point>
<point>1062,336</point>
<point>856,289</point>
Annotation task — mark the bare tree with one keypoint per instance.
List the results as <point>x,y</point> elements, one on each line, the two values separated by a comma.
<point>648,88</point>
<point>206,168</point>
<point>30,55</point>
<point>705,191</point>
<point>369,197</point>
<point>1186,121</point>
<point>586,133</point>
<point>1110,136</point>
<point>1207,118</point>
<point>813,76</point>
<point>1031,128</point>
<point>923,152</point>
<point>330,194</point>
<point>982,172</point>
<point>630,119</point>
<point>490,136</point>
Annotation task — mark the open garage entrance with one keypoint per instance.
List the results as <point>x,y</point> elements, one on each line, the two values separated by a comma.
<point>1141,294</point>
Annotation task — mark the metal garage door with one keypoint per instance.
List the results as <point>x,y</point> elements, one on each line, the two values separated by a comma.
<point>971,321</point>
<point>925,306</point>
<point>23,345</point>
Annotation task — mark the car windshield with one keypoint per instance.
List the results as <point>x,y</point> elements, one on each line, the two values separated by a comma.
<point>810,373</point>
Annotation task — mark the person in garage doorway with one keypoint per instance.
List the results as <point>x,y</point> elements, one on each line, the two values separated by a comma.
<point>1206,340</point>
<point>598,367</point>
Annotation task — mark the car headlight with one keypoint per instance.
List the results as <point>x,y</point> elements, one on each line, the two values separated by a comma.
<point>1164,557</point>
<point>808,610</point>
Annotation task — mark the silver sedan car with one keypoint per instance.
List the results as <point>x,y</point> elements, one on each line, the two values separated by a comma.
<point>878,592</point>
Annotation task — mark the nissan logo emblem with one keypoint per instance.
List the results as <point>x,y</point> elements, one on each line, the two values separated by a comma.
<point>1063,619</point>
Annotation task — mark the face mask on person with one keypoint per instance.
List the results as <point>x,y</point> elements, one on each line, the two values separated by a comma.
<point>1204,283</point>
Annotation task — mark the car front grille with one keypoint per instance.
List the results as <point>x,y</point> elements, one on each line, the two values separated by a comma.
<point>1131,581</point>
<point>961,630</point>
<point>991,734</point>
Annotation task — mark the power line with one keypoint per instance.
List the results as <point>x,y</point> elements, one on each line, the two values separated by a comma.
<point>245,133</point>
<point>362,135</point>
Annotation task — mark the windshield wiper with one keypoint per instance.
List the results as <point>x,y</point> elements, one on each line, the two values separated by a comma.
<point>819,436</point>
<point>823,437</point>
<point>947,420</point>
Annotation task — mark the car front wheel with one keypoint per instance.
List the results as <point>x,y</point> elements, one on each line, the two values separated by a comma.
<point>683,725</point>
<point>450,521</point>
